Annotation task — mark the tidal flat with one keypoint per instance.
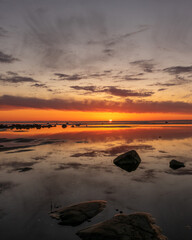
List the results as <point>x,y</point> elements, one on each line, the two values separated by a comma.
<point>42,170</point>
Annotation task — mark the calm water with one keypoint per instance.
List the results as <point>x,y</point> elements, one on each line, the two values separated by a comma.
<point>76,164</point>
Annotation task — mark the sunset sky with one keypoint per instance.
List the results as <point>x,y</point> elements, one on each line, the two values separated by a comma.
<point>95,60</point>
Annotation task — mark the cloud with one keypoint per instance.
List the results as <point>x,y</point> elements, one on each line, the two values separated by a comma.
<point>108,52</point>
<point>178,81</point>
<point>14,78</point>
<point>3,32</point>
<point>5,58</point>
<point>178,69</point>
<point>42,85</point>
<point>85,88</point>
<point>162,89</point>
<point>79,76</point>
<point>66,77</point>
<point>130,77</point>
<point>114,91</point>
<point>8,102</point>
<point>39,85</point>
<point>56,36</point>
<point>127,93</point>
<point>145,65</point>
<point>115,40</point>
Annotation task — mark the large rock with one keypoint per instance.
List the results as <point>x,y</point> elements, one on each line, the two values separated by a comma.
<point>128,161</point>
<point>174,164</point>
<point>76,214</point>
<point>138,226</point>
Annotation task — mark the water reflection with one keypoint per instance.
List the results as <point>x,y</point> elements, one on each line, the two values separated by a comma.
<point>71,165</point>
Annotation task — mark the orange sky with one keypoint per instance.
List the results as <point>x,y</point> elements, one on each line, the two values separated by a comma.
<point>54,115</point>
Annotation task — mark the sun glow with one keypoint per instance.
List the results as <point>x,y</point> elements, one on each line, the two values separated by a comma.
<point>110,120</point>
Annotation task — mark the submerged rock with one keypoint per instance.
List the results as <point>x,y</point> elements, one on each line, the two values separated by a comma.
<point>79,213</point>
<point>137,226</point>
<point>128,161</point>
<point>174,164</point>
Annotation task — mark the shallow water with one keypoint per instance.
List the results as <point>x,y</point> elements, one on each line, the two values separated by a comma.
<point>71,165</point>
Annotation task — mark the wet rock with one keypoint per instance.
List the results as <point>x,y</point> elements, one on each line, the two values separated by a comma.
<point>174,164</point>
<point>79,213</point>
<point>128,161</point>
<point>138,226</point>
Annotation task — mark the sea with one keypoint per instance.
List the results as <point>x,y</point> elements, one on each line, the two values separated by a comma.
<point>44,169</point>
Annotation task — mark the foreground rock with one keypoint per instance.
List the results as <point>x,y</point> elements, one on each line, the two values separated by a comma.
<point>174,164</point>
<point>128,161</point>
<point>79,213</point>
<point>138,226</point>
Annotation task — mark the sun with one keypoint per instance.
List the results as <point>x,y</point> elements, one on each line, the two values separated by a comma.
<point>110,120</point>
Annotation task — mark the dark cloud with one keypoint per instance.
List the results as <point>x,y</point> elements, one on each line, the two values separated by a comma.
<point>162,89</point>
<point>108,51</point>
<point>14,78</point>
<point>5,58</point>
<point>42,85</point>
<point>145,65</point>
<point>56,36</point>
<point>128,106</point>
<point>178,69</point>
<point>175,82</point>
<point>114,91</point>
<point>96,75</point>
<point>115,40</point>
<point>77,76</point>
<point>12,73</point>
<point>3,32</point>
<point>66,77</point>
<point>127,93</point>
<point>129,78</point>
<point>85,88</point>
<point>39,85</point>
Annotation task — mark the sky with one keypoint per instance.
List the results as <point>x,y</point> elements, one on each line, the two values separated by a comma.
<point>95,60</point>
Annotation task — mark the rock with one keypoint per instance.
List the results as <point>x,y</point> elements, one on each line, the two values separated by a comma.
<point>64,126</point>
<point>79,213</point>
<point>128,161</point>
<point>174,164</point>
<point>137,226</point>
